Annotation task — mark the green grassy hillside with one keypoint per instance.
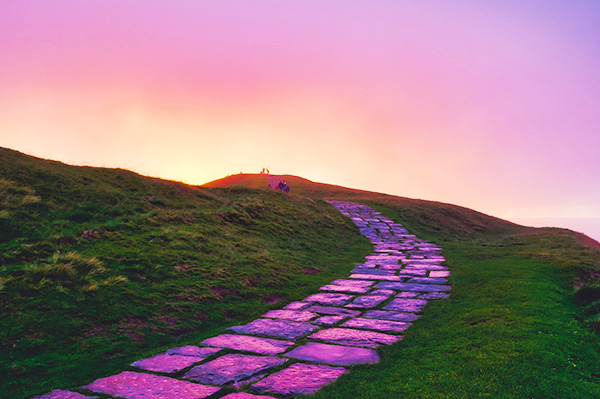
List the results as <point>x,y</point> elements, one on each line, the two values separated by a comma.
<point>101,267</point>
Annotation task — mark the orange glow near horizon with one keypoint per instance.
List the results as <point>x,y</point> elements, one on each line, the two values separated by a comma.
<point>493,107</point>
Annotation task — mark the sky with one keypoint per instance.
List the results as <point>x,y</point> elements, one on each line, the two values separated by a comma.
<point>492,105</point>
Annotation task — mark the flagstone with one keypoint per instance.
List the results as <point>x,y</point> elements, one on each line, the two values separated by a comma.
<point>336,355</point>
<point>328,320</point>
<point>191,350</point>
<point>384,277</point>
<point>434,295</point>
<point>266,346</point>
<point>407,294</point>
<point>277,328</point>
<point>390,315</point>
<point>428,280</point>
<point>244,395</point>
<point>232,368</point>
<point>375,324</point>
<point>326,298</point>
<point>331,310</point>
<point>299,379</point>
<point>406,305</point>
<point>413,287</point>
<point>132,385</point>
<point>294,315</point>
<point>164,363</point>
<point>367,301</point>
<point>61,394</point>
<point>345,288</point>
<point>352,337</point>
<point>296,305</point>
<point>439,273</point>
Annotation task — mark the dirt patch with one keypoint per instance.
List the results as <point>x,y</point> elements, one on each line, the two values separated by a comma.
<point>271,299</point>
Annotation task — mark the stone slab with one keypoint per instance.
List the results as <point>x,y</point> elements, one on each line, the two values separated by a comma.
<point>266,346</point>
<point>299,379</point>
<point>413,287</point>
<point>61,394</point>
<point>439,273</point>
<point>352,337</point>
<point>294,315</point>
<point>244,395</point>
<point>408,294</point>
<point>383,292</point>
<point>428,280</point>
<point>328,320</point>
<point>296,305</point>
<point>378,325</point>
<point>232,368</point>
<point>382,277</point>
<point>164,363</point>
<point>190,350</point>
<point>434,295</point>
<point>333,354</point>
<point>367,301</point>
<point>344,288</point>
<point>276,328</point>
<point>412,272</point>
<point>132,385</point>
<point>369,270</point>
<point>390,315</point>
<point>353,283</point>
<point>330,310</point>
<point>406,305</point>
<point>326,298</point>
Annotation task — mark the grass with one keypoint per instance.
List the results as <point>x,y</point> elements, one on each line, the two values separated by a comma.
<point>102,267</point>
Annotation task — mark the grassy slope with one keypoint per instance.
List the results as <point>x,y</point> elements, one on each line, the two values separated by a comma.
<point>102,267</point>
<point>197,260</point>
<point>511,328</point>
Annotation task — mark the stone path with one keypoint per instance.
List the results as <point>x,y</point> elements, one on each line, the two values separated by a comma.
<point>305,345</point>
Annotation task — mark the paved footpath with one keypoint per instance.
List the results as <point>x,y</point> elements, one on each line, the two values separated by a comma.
<point>307,344</point>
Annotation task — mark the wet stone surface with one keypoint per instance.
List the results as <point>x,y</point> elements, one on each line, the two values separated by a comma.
<point>333,354</point>
<point>232,368</point>
<point>266,346</point>
<point>296,305</point>
<point>375,324</point>
<point>328,320</point>
<point>406,305</point>
<point>437,273</point>
<point>382,277</point>
<point>352,337</point>
<point>61,394</point>
<point>131,385</point>
<point>428,280</point>
<point>286,329</point>
<point>299,379</point>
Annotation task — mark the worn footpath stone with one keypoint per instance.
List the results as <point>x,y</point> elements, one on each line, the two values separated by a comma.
<point>367,270</point>
<point>439,273</point>
<point>61,394</point>
<point>328,320</point>
<point>375,324</point>
<point>344,288</point>
<point>434,295</point>
<point>413,287</point>
<point>333,354</point>
<point>367,301</point>
<point>408,294</point>
<point>277,328</point>
<point>428,280</point>
<point>352,337</point>
<point>406,305</point>
<point>299,379</point>
<point>294,315</point>
<point>383,277</point>
<point>390,315</point>
<point>190,350</point>
<point>330,310</point>
<point>132,385</point>
<point>297,305</point>
<point>232,368</point>
<point>266,346</point>
<point>326,298</point>
<point>412,272</point>
<point>243,395</point>
<point>164,363</point>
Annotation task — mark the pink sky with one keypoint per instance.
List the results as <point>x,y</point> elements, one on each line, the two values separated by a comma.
<point>486,104</point>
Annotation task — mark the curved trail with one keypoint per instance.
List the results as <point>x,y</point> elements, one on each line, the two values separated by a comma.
<point>305,345</point>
